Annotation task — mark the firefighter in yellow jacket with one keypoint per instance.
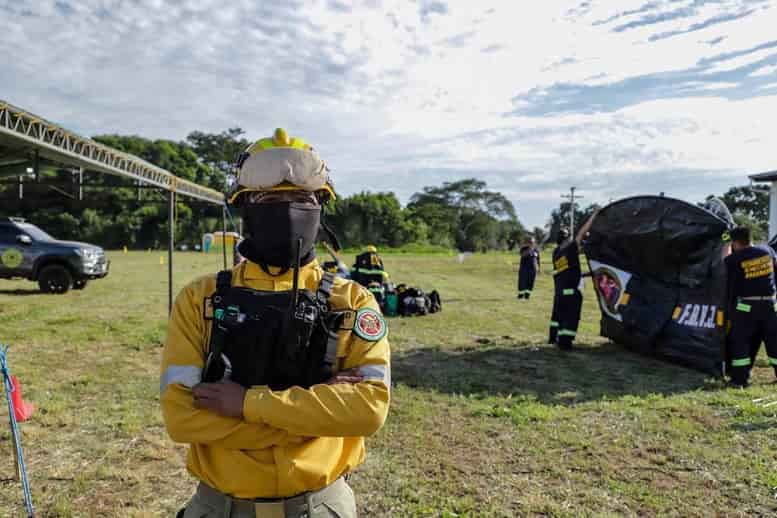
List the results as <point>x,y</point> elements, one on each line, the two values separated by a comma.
<point>274,372</point>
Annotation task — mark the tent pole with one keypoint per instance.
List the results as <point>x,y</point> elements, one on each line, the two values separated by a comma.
<point>170,247</point>
<point>772,210</point>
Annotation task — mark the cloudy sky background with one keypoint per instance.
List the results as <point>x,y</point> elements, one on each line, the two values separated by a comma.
<point>615,97</point>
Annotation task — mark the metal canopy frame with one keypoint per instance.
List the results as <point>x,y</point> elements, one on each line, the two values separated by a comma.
<point>61,145</point>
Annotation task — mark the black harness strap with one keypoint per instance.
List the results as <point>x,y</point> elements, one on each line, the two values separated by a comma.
<point>218,332</point>
<point>325,288</point>
<point>322,296</point>
<point>223,282</point>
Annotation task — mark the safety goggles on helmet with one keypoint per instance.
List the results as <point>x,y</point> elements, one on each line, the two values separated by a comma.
<point>296,196</point>
<point>281,163</point>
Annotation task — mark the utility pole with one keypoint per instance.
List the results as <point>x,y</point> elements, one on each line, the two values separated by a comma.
<point>572,197</point>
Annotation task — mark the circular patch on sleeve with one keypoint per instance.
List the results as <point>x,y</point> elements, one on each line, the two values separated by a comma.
<point>370,325</point>
<point>12,258</point>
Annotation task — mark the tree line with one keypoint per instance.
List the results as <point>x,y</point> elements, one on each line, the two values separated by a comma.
<point>114,213</point>
<point>461,215</point>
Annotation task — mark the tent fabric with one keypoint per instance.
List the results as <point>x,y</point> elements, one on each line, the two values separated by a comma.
<point>658,271</point>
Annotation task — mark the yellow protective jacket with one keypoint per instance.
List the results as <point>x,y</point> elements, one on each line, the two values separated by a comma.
<point>288,441</point>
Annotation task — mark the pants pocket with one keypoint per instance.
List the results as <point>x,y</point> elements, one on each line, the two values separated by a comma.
<point>196,508</point>
<point>342,505</point>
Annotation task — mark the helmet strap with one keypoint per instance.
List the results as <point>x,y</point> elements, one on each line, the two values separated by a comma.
<point>330,234</point>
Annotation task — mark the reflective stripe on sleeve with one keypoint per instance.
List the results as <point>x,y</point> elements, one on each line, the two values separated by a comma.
<point>568,291</point>
<point>773,361</point>
<point>380,373</point>
<point>567,332</point>
<point>186,375</point>
<point>740,362</point>
<point>553,323</point>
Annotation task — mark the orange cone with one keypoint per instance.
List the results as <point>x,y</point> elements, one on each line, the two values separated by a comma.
<point>21,410</point>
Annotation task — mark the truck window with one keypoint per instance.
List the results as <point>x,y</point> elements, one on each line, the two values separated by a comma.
<point>8,234</point>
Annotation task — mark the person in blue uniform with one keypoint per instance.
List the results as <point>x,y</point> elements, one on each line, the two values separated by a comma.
<point>752,296</point>
<point>567,297</point>
<point>528,269</point>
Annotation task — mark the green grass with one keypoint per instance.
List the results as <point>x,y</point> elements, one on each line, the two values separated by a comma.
<point>486,420</point>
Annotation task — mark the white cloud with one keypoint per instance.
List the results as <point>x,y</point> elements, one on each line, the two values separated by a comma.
<point>769,70</point>
<point>399,94</point>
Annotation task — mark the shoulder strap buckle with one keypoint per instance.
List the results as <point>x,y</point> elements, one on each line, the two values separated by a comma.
<point>325,288</point>
<point>223,284</point>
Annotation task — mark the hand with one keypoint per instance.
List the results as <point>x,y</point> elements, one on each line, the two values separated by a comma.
<point>347,376</point>
<point>224,398</point>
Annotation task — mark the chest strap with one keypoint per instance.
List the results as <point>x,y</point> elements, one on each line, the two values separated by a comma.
<point>325,288</point>
<point>332,321</point>
<point>223,284</point>
<point>218,331</point>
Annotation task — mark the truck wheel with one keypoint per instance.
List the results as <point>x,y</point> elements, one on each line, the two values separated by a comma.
<point>79,285</point>
<point>55,279</point>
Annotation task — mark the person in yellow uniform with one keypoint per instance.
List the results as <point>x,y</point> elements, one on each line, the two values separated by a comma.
<point>274,372</point>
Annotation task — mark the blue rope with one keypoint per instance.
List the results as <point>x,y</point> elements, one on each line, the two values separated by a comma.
<point>15,431</point>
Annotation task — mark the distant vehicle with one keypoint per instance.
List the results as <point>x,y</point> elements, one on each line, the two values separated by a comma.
<point>28,252</point>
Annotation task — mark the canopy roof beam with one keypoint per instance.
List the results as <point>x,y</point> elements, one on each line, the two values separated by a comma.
<point>59,144</point>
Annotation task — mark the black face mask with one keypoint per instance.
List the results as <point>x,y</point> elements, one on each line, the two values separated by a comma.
<point>274,230</point>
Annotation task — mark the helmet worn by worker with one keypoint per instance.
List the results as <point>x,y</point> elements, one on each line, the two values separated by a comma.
<point>285,226</point>
<point>372,249</point>
<point>281,163</point>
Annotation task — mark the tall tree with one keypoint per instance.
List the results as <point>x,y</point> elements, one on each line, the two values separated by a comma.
<point>468,214</point>
<point>374,218</point>
<point>218,151</point>
<point>749,201</point>
<point>749,205</point>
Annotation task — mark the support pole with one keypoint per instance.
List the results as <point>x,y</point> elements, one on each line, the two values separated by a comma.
<point>36,165</point>
<point>21,187</point>
<point>571,197</point>
<point>773,210</point>
<point>224,235</point>
<point>80,183</point>
<point>170,248</point>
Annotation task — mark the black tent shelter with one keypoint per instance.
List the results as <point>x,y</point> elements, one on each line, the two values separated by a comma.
<point>657,268</point>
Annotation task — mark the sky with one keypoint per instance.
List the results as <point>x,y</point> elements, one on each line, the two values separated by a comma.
<point>616,98</point>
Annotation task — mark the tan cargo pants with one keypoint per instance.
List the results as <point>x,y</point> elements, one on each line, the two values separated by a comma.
<point>334,501</point>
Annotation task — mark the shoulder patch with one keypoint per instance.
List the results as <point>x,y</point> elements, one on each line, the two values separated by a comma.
<point>369,325</point>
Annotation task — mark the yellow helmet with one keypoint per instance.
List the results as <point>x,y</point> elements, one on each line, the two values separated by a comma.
<point>281,163</point>
<point>371,248</point>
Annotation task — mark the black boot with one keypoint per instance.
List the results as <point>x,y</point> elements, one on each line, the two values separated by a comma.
<point>739,377</point>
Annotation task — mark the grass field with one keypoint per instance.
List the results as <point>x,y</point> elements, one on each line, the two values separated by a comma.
<point>486,420</point>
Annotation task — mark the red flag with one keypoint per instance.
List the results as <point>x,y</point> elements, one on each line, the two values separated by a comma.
<point>21,410</point>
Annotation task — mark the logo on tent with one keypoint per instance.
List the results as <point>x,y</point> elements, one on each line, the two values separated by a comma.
<point>610,285</point>
<point>705,316</point>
